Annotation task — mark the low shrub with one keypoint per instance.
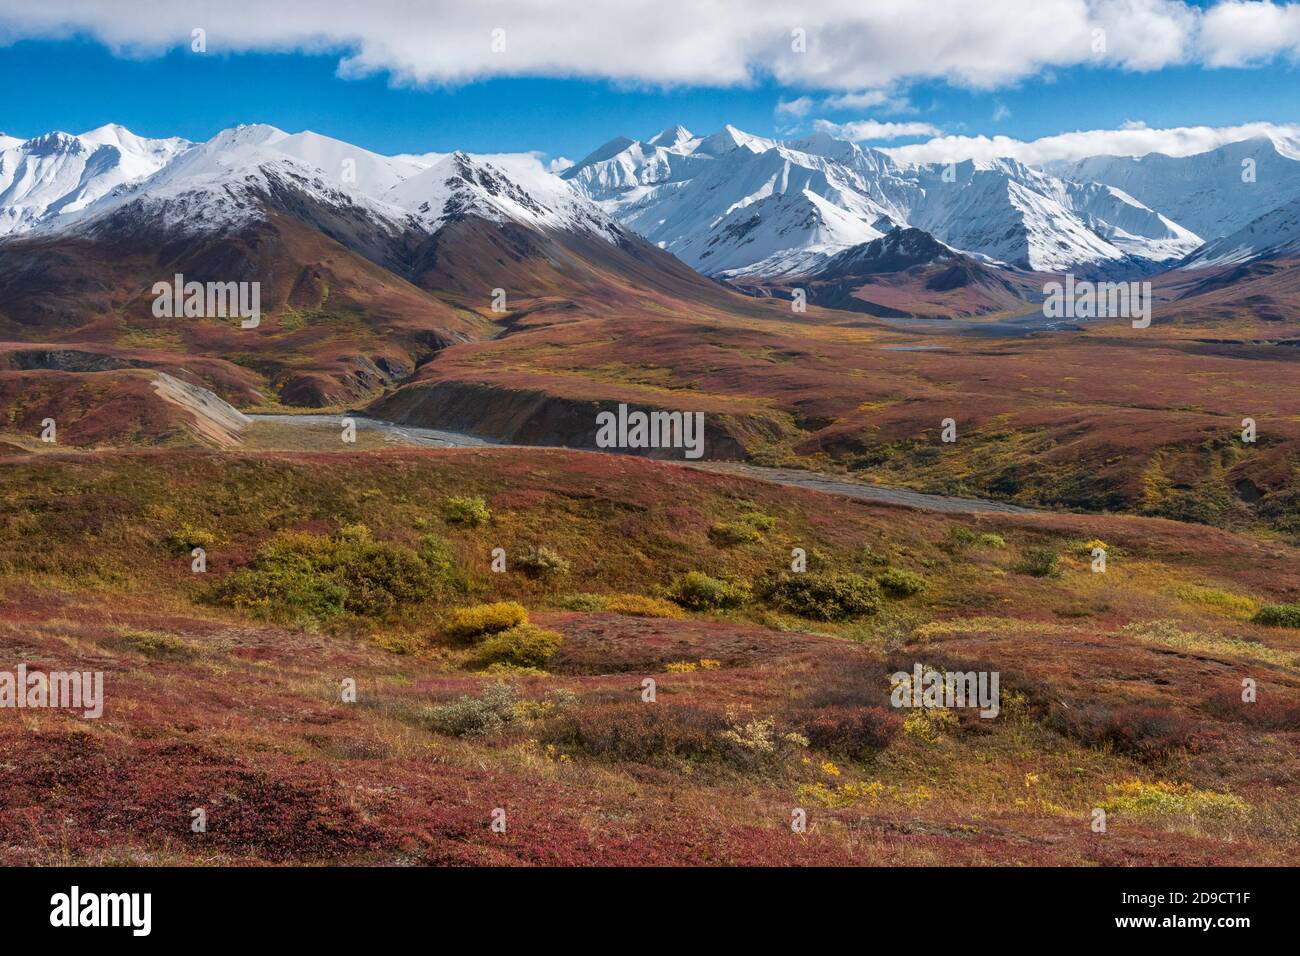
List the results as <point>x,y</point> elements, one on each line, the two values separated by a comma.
<point>469,510</point>
<point>582,602</point>
<point>159,645</point>
<point>660,734</point>
<point>696,591</point>
<point>755,743</point>
<point>467,623</point>
<point>959,538</point>
<point>1159,799</point>
<point>1269,711</point>
<point>541,562</point>
<point>474,716</point>
<point>296,575</point>
<point>830,596</point>
<point>526,645</point>
<point>747,529</point>
<point>291,591</point>
<point>1278,615</point>
<point>187,537</point>
<point>897,582</point>
<point>1237,605</point>
<point>727,534</point>
<point>1040,562</point>
<point>638,605</point>
<point>1143,732</point>
<point>855,732</point>
<point>930,724</point>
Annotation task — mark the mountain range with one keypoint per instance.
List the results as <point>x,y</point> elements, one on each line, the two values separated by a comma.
<point>730,205</point>
<point>489,295</point>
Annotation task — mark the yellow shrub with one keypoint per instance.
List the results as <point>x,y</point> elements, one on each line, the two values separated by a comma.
<point>1172,799</point>
<point>473,622</point>
<point>524,646</point>
<point>929,723</point>
<point>638,605</point>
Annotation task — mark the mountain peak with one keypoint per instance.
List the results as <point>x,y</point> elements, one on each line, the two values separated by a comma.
<point>599,155</point>
<point>730,138</point>
<point>54,144</point>
<point>674,135</point>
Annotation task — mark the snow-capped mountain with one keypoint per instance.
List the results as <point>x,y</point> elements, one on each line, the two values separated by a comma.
<point>57,173</point>
<point>1214,193</point>
<point>460,184</point>
<point>243,174</point>
<point>734,204</point>
<point>1272,235</point>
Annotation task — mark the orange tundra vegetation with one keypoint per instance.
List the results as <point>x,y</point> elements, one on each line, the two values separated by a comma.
<point>226,690</point>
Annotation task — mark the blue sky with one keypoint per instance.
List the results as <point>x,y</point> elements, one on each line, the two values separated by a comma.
<point>396,103</point>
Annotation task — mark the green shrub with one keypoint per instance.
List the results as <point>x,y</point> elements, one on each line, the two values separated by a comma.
<point>959,537</point>
<point>524,646</point>
<point>284,590</point>
<point>696,591</point>
<point>474,716</point>
<point>831,596</point>
<point>869,556</point>
<point>158,644</point>
<point>187,537</point>
<point>747,529</point>
<point>377,576</point>
<point>469,510</point>
<point>897,582</point>
<point>1278,615</point>
<point>541,562</point>
<point>726,534</point>
<point>1038,562</point>
<point>473,622</point>
<point>582,601</point>
<point>296,575</point>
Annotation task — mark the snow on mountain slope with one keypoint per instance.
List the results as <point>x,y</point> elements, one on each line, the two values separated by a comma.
<point>1206,192</point>
<point>57,173</point>
<point>351,166</point>
<point>224,183</point>
<point>737,204</point>
<point>459,185</point>
<point>235,177</point>
<point>730,200</point>
<point>1274,234</point>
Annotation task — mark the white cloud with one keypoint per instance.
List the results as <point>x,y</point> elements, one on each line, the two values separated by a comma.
<point>797,107</point>
<point>1134,139</point>
<point>866,130</point>
<point>559,164</point>
<point>851,45</point>
<point>1236,34</point>
<point>884,101</point>
<point>1001,112</point>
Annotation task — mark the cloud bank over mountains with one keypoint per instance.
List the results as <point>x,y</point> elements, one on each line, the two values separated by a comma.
<point>670,42</point>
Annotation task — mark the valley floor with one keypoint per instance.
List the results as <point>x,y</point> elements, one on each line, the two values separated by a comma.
<point>226,691</point>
